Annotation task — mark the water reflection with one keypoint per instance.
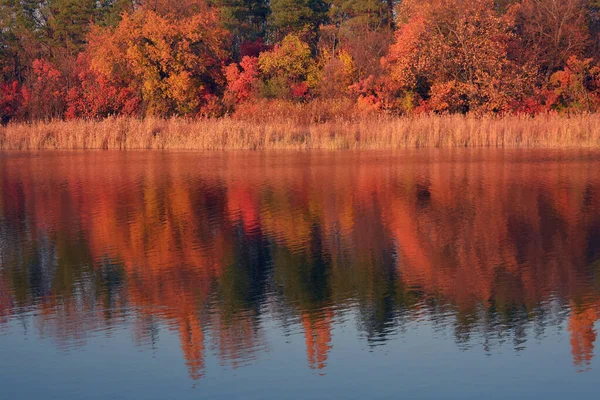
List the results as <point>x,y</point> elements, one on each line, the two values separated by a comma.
<point>220,248</point>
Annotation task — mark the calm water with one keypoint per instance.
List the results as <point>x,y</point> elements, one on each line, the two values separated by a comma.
<point>418,274</point>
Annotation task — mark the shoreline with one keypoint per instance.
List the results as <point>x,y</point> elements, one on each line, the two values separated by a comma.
<point>373,132</point>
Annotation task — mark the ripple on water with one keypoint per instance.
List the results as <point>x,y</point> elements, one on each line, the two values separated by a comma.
<point>238,254</point>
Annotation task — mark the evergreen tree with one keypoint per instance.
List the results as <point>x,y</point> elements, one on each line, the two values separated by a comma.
<point>362,14</point>
<point>246,20</point>
<point>19,37</point>
<point>68,24</point>
<point>109,12</point>
<point>294,16</point>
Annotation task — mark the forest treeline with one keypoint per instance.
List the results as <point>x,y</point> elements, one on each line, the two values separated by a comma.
<point>69,59</point>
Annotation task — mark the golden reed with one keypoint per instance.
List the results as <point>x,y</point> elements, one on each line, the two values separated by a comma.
<point>370,132</point>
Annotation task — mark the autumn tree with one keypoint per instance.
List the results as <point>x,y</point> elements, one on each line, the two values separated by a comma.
<point>576,87</point>
<point>338,73</point>
<point>94,95</point>
<point>55,30</point>
<point>363,28</point>
<point>454,54</point>
<point>48,90</point>
<point>288,70</point>
<point>14,99</point>
<point>172,62</point>
<point>593,24</point>
<point>57,27</point>
<point>550,31</point>
<point>165,57</point>
<point>242,80</point>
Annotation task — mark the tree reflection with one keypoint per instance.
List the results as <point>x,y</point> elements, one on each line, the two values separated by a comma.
<point>490,249</point>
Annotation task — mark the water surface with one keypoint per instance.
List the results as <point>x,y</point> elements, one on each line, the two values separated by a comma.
<point>416,274</point>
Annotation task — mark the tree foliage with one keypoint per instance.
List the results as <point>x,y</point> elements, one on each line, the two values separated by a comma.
<point>455,55</point>
<point>295,16</point>
<point>97,58</point>
<point>173,63</point>
<point>247,22</point>
<point>288,69</point>
<point>550,32</point>
<point>241,80</point>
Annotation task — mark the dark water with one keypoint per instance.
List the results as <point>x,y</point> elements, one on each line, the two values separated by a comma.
<point>419,274</point>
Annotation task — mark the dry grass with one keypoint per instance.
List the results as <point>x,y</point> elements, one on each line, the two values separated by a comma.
<point>368,132</point>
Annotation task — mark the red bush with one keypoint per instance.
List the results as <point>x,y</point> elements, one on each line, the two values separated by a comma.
<point>241,80</point>
<point>95,96</point>
<point>13,101</point>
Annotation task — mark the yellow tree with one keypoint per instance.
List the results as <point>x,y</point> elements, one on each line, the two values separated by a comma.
<point>288,69</point>
<point>172,61</point>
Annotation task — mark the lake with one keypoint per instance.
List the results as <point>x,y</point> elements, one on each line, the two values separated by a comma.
<point>421,274</point>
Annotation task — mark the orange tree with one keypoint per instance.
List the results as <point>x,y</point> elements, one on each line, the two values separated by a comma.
<point>172,61</point>
<point>454,54</point>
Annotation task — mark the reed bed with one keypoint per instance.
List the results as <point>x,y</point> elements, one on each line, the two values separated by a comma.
<point>370,132</point>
